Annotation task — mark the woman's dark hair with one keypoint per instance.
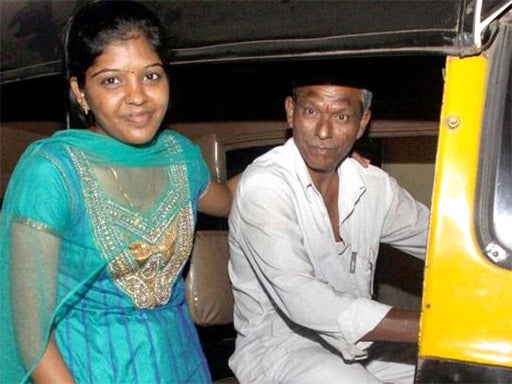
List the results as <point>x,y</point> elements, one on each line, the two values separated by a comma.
<point>98,24</point>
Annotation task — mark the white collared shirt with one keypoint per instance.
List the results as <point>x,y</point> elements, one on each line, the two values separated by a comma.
<point>288,273</point>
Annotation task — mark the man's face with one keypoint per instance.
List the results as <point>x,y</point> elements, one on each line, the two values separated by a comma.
<point>326,121</point>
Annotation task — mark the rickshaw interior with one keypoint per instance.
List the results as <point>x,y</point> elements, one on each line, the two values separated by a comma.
<point>233,108</point>
<point>235,112</point>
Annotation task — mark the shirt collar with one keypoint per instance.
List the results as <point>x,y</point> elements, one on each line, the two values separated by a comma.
<point>352,186</point>
<point>301,169</point>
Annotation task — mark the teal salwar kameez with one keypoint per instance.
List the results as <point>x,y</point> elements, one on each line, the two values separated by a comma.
<point>95,234</point>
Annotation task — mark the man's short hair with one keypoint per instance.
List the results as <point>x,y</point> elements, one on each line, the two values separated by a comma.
<point>346,73</point>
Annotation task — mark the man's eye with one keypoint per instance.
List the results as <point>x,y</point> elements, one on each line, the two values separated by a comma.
<point>342,117</point>
<point>309,111</point>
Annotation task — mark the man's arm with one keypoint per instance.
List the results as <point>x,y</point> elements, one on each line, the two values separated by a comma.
<point>397,325</point>
<point>264,223</point>
<point>406,224</point>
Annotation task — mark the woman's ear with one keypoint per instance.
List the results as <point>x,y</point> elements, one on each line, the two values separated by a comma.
<point>79,94</point>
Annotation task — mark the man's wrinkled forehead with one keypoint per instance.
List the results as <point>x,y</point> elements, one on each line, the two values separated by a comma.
<point>328,96</point>
<point>330,91</point>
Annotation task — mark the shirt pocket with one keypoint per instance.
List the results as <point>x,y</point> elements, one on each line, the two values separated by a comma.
<point>362,270</point>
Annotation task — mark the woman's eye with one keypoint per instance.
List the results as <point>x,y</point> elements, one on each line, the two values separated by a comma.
<point>110,81</point>
<point>153,76</point>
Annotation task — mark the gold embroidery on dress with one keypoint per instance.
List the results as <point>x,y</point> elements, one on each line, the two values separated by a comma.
<point>142,250</point>
<point>150,285</point>
<point>146,268</point>
<point>35,224</point>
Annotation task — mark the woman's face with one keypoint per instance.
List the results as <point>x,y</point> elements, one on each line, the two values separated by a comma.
<point>127,90</point>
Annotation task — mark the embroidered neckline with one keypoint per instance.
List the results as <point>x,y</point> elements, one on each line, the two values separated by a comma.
<point>145,251</point>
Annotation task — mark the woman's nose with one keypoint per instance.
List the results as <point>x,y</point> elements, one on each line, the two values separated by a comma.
<point>135,93</point>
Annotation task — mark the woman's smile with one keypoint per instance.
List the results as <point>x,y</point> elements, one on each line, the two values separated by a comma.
<point>127,90</point>
<point>139,119</point>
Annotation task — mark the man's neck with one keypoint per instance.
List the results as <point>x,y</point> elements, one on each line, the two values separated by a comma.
<point>328,186</point>
<point>324,182</point>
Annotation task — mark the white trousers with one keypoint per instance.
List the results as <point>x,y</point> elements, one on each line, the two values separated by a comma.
<point>387,363</point>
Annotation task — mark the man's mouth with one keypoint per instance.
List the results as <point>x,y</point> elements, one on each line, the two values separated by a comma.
<point>322,149</point>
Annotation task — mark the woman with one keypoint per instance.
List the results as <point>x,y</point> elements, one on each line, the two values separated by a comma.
<point>98,223</point>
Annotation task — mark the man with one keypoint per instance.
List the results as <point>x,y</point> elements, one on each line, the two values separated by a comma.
<point>305,230</point>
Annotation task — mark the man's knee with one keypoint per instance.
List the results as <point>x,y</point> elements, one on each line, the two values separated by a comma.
<point>317,365</point>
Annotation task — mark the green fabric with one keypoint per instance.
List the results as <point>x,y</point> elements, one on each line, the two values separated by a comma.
<point>79,209</point>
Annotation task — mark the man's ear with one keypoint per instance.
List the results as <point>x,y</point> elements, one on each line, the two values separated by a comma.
<point>289,107</point>
<point>365,119</point>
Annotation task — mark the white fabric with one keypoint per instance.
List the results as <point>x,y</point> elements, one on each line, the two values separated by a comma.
<point>296,288</point>
<point>316,365</point>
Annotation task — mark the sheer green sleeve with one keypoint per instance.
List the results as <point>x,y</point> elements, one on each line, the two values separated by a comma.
<point>34,214</point>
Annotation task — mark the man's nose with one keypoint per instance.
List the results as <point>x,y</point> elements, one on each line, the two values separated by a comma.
<point>324,128</point>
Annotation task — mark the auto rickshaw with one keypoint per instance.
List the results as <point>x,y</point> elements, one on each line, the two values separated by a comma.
<point>442,71</point>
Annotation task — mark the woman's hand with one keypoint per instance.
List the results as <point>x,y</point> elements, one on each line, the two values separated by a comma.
<point>218,197</point>
<point>360,159</point>
<point>51,368</point>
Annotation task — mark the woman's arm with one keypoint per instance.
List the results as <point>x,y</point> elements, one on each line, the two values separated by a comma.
<point>218,197</point>
<point>36,214</point>
<point>360,159</point>
<point>51,367</point>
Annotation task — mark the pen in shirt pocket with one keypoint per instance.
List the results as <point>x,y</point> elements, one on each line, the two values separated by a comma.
<point>353,259</point>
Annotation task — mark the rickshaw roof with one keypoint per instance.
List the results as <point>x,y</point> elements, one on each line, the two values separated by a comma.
<point>244,30</point>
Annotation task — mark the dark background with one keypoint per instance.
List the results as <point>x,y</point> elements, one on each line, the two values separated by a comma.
<point>403,87</point>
